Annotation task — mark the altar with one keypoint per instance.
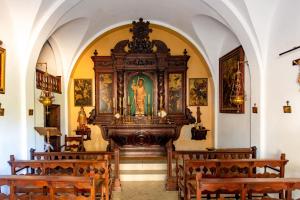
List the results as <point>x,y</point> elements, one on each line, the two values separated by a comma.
<point>140,96</point>
<point>141,139</point>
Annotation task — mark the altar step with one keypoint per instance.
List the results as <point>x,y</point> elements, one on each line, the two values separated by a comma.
<point>143,170</point>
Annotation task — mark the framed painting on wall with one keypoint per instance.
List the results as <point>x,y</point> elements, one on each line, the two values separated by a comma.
<point>2,70</point>
<point>175,97</point>
<point>228,67</point>
<point>83,92</point>
<point>198,91</point>
<point>106,93</point>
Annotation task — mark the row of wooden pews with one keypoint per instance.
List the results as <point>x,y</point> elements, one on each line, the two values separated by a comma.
<point>223,164</point>
<point>223,169</point>
<point>180,156</point>
<point>60,175</point>
<point>245,186</point>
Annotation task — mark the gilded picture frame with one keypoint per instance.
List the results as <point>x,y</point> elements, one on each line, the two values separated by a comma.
<point>83,95</point>
<point>2,70</point>
<point>228,65</point>
<point>198,91</point>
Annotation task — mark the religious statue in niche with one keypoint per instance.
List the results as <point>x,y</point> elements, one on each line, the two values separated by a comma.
<point>105,93</point>
<point>83,92</point>
<point>140,95</point>
<point>175,93</point>
<point>198,91</point>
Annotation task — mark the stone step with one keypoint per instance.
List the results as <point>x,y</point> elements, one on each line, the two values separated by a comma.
<point>144,164</point>
<point>143,175</point>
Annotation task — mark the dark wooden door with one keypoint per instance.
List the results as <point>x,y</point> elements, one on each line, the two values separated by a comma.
<point>53,120</point>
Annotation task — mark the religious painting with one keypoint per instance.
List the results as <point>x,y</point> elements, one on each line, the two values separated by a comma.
<point>106,93</point>
<point>229,65</point>
<point>175,92</point>
<point>83,92</point>
<point>198,91</point>
<point>2,70</point>
<point>140,95</point>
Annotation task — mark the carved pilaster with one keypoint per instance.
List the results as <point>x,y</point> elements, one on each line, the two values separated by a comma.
<point>161,89</point>
<point>120,91</point>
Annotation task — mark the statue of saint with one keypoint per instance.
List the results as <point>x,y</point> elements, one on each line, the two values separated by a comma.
<point>139,96</point>
<point>82,119</point>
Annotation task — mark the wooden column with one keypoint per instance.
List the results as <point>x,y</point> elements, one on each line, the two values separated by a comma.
<point>120,91</point>
<point>161,89</point>
<point>117,182</point>
<point>171,184</point>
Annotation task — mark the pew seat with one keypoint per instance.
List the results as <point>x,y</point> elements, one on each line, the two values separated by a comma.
<point>49,185</point>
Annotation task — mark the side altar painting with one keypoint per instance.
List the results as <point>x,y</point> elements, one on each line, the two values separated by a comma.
<point>198,91</point>
<point>83,92</point>
<point>230,66</point>
<point>140,90</point>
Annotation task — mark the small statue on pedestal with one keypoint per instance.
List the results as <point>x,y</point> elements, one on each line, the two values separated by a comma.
<point>82,119</point>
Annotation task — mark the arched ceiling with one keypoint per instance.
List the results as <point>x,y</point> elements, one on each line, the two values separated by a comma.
<point>214,27</point>
<point>195,19</point>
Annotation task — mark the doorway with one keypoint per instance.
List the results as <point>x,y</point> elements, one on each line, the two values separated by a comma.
<point>52,119</point>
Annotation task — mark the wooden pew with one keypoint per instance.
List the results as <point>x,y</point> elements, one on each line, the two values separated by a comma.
<point>99,168</point>
<point>88,155</point>
<point>51,183</point>
<point>231,168</point>
<point>220,153</point>
<point>245,185</point>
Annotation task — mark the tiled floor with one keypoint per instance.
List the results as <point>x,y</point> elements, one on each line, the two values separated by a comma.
<point>154,190</point>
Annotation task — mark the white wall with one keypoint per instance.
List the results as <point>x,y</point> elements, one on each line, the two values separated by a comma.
<point>10,127</point>
<point>283,130</point>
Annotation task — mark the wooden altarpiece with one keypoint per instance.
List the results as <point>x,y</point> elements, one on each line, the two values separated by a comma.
<point>164,76</point>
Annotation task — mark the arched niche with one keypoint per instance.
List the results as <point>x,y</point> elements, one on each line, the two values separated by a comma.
<point>198,68</point>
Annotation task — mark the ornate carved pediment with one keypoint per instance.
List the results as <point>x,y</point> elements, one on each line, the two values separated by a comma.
<point>141,42</point>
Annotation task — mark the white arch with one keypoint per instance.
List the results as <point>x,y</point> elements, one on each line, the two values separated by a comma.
<point>225,9</point>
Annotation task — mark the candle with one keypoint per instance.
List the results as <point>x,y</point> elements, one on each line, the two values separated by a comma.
<point>124,105</point>
<point>148,98</point>
<point>128,100</point>
<point>161,104</point>
<point>114,102</point>
<point>120,103</point>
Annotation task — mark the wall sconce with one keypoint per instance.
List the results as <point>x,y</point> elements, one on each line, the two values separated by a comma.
<point>254,109</point>
<point>287,108</point>
<point>1,111</point>
<point>30,112</point>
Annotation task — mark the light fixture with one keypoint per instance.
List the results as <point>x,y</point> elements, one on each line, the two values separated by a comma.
<point>237,96</point>
<point>46,97</point>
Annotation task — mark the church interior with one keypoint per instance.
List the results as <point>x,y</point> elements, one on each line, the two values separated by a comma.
<point>107,99</point>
